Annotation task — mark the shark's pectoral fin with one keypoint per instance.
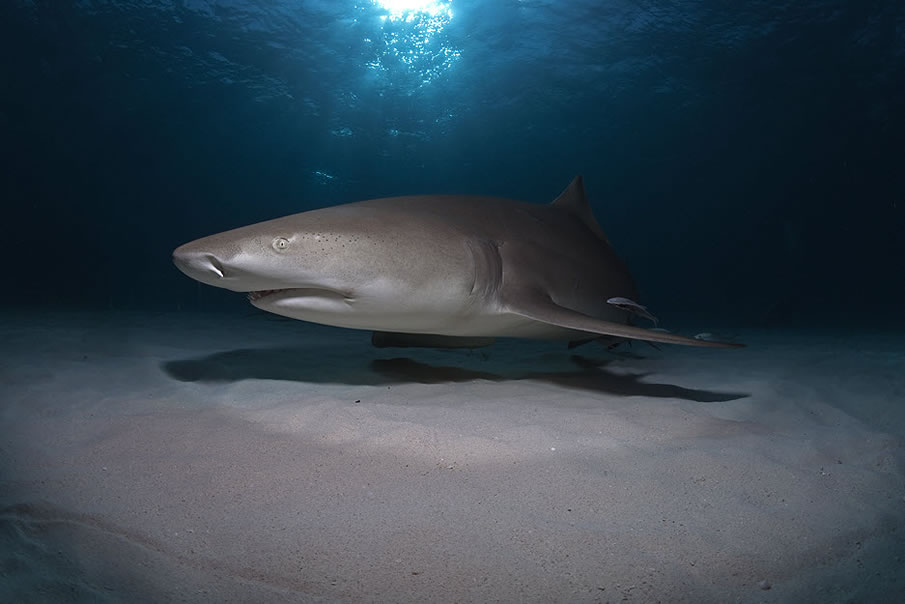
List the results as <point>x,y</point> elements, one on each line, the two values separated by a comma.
<point>538,306</point>
<point>386,339</point>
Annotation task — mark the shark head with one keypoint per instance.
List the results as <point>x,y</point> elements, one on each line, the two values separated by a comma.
<point>346,266</point>
<point>267,258</point>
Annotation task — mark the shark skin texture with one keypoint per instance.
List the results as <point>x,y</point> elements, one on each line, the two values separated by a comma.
<point>435,270</point>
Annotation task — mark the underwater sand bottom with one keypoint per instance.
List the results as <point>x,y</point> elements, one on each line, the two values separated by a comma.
<point>226,458</point>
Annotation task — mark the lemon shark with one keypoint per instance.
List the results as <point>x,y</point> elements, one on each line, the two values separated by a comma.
<point>436,270</point>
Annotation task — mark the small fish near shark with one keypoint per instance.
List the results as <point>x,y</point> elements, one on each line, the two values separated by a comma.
<point>436,271</point>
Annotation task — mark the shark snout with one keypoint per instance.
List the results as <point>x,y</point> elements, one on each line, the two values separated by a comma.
<point>199,265</point>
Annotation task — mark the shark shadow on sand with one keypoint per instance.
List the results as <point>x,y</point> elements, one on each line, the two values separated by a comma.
<point>293,364</point>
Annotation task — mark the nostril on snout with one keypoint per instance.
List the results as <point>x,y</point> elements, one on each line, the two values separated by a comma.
<point>197,264</point>
<point>215,266</point>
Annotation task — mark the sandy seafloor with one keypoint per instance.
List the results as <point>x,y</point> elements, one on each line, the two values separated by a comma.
<point>228,458</point>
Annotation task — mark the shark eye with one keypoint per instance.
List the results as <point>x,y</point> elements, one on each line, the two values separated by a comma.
<point>281,244</point>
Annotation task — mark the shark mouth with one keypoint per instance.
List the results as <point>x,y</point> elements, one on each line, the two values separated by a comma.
<point>300,292</point>
<point>255,296</point>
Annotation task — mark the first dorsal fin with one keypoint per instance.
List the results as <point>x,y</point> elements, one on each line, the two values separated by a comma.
<point>573,200</point>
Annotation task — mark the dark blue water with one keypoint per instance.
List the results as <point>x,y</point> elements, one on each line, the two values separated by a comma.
<point>747,159</point>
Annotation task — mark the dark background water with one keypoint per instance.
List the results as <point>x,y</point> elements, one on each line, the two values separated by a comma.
<point>747,159</point>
